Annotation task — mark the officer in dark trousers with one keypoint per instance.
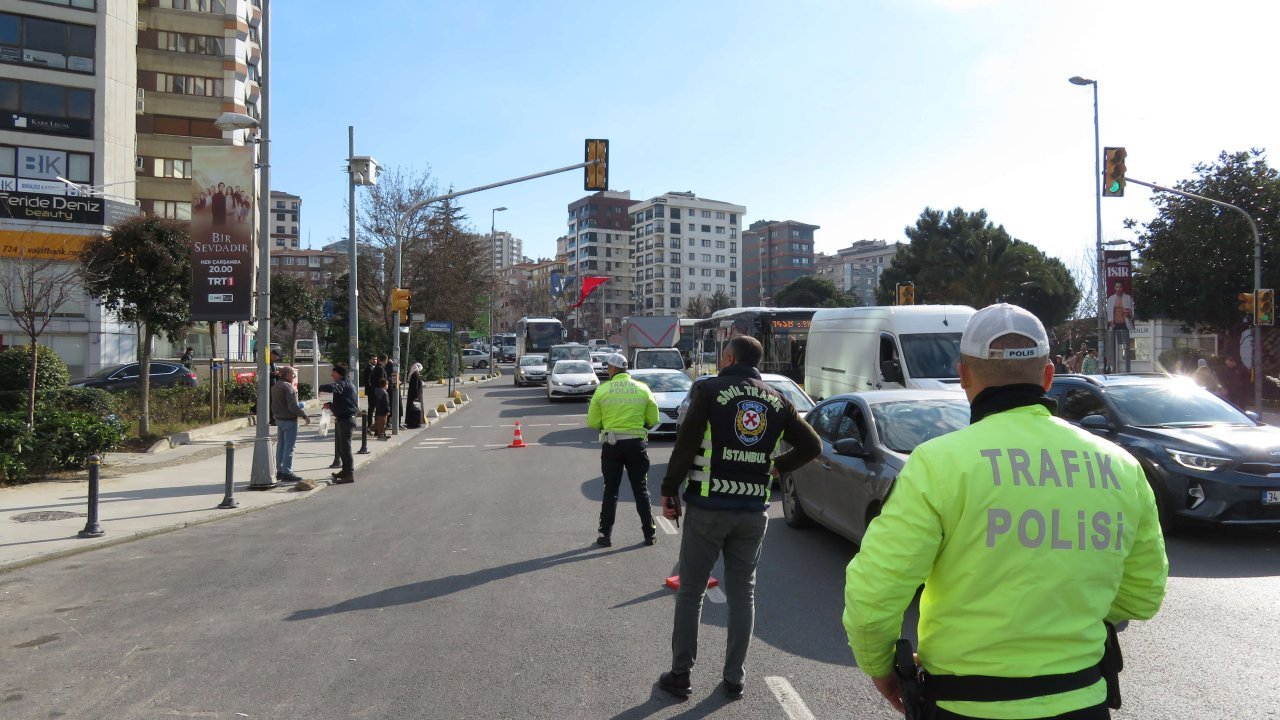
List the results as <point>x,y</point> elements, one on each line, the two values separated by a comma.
<point>344,406</point>
<point>623,410</point>
<point>724,451</point>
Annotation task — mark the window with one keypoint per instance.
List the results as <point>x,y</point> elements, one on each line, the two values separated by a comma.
<point>720,274</point>
<point>719,230</point>
<point>49,109</point>
<point>675,228</point>
<point>43,164</point>
<point>733,247</point>
<point>706,287</point>
<point>168,209</point>
<point>706,213</point>
<point>46,43</point>
<point>706,228</point>
<point>733,262</point>
<point>294,205</point>
<point>648,214</point>
<point>692,272</point>
<point>169,125</point>
<point>78,4</point>
<point>733,275</point>
<point>706,257</point>
<point>280,217</point>
<point>706,272</point>
<point>826,420</point>
<point>170,168</point>
<point>188,85</point>
<point>657,212</point>
<point>733,218</point>
<point>279,229</point>
<point>204,6</point>
<point>289,260</point>
<point>187,43</point>
<point>795,233</point>
<point>720,258</point>
<point>1078,402</point>
<point>675,213</point>
<point>719,244</point>
<point>719,215</point>
<point>706,242</point>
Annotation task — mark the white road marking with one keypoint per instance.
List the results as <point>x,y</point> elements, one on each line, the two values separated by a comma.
<point>497,445</point>
<point>481,426</point>
<point>667,526</point>
<point>569,424</point>
<point>540,425</point>
<point>790,700</point>
<point>439,439</point>
<point>462,446</point>
<point>716,595</point>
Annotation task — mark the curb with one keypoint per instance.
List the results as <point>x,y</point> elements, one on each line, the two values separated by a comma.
<point>111,541</point>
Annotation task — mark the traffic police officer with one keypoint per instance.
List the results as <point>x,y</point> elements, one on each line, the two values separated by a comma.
<point>1026,532</point>
<point>725,450</point>
<point>623,410</point>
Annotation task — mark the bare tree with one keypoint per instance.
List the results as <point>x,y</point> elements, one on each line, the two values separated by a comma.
<point>33,287</point>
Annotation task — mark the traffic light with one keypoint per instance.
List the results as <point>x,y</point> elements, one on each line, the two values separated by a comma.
<point>400,304</point>
<point>1113,172</point>
<point>1246,303</point>
<point>1266,307</point>
<point>906,293</point>
<point>596,174</point>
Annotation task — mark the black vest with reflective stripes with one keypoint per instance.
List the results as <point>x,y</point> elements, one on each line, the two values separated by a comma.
<point>745,419</point>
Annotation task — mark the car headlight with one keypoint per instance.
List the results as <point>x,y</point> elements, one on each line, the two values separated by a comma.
<point>1195,461</point>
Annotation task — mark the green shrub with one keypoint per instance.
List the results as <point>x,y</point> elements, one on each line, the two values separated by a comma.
<point>66,440</point>
<point>306,391</point>
<point>94,401</point>
<point>238,393</point>
<point>178,404</point>
<point>15,439</point>
<point>15,369</point>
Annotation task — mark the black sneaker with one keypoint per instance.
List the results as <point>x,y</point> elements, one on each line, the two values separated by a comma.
<point>733,691</point>
<point>604,541</point>
<point>651,540</point>
<point>676,683</point>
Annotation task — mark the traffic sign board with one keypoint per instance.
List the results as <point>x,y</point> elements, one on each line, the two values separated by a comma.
<point>438,326</point>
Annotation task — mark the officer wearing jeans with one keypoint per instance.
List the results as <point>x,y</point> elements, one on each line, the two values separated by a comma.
<point>1027,534</point>
<point>734,423</point>
<point>623,410</point>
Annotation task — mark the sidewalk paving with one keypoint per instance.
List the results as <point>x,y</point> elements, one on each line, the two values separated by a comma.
<point>144,494</point>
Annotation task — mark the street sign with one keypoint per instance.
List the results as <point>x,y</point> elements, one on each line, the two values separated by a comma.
<point>437,326</point>
<point>418,317</point>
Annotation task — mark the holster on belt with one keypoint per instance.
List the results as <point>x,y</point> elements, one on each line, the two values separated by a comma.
<point>1111,665</point>
<point>910,678</point>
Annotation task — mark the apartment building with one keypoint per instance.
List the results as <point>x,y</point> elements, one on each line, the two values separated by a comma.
<point>314,267</point>
<point>856,269</point>
<point>286,219</point>
<point>504,250</point>
<point>774,254</point>
<point>684,247</point>
<point>66,164</point>
<point>195,60</point>
<point>598,242</point>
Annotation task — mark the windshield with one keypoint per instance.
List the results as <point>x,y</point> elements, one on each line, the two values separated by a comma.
<point>660,360</point>
<point>532,360</point>
<point>793,393</point>
<point>1177,403</point>
<point>904,425</point>
<point>665,382</point>
<point>541,336</point>
<point>931,355</point>
<point>570,352</point>
<point>571,367</point>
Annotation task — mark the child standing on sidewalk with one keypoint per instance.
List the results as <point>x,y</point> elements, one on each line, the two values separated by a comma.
<point>380,403</point>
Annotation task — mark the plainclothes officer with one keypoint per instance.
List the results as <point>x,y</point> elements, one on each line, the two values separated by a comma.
<point>1026,532</point>
<point>345,406</point>
<point>723,449</point>
<point>623,410</point>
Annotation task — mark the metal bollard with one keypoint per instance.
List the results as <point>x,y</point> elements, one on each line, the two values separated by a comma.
<point>229,499</point>
<point>91,527</point>
<point>364,433</point>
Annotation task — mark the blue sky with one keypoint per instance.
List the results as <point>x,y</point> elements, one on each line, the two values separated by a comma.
<point>854,116</point>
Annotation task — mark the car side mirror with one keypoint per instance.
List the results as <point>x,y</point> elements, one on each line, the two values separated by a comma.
<point>891,372</point>
<point>850,447</point>
<point>1096,424</point>
<point>1254,417</point>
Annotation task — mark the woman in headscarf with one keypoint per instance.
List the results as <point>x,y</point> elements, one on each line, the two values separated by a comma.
<point>413,413</point>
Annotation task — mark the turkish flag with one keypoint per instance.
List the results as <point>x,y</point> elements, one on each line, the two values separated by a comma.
<point>589,283</point>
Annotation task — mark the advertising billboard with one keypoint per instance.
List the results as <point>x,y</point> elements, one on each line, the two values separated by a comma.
<point>1119,277</point>
<point>222,233</point>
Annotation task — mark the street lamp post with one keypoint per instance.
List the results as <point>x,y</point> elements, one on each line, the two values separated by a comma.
<point>1097,186</point>
<point>493,238</point>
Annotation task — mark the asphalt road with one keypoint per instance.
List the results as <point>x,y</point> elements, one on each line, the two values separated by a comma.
<point>457,579</point>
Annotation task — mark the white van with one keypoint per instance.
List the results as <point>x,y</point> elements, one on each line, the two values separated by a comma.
<point>304,350</point>
<point>855,349</point>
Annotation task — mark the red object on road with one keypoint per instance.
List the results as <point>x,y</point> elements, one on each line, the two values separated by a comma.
<point>673,582</point>
<point>518,441</point>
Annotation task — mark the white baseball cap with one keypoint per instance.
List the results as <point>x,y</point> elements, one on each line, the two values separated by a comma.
<point>617,360</point>
<point>996,321</point>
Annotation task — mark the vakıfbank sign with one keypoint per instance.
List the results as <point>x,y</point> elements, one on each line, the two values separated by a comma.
<point>222,224</point>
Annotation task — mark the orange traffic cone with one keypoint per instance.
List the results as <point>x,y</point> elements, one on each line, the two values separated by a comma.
<point>518,441</point>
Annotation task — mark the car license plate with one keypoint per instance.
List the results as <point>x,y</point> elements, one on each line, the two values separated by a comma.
<point>1271,497</point>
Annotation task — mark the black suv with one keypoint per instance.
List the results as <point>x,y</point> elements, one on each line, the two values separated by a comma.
<point>1205,459</point>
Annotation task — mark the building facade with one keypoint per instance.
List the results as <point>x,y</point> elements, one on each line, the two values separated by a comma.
<point>504,250</point>
<point>286,219</point>
<point>598,243</point>
<point>67,93</point>
<point>684,247</point>
<point>196,59</point>
<point>856,269</point>
<point>313,267</point>
<point>774,254</point>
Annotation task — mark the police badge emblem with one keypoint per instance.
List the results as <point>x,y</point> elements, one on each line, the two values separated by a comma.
<point>750,422</point>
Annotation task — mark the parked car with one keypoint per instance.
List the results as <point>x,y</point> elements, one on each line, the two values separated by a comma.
<point>599,365</point>
<point>304,349</point>
<point>866,438</point>
<point>670,389</point>
<point>475,358</point>
<point>571,378</point>
<point>532,369</point>
<point>1206,460</point>
<point>783,384</point>
<point>126,376</point>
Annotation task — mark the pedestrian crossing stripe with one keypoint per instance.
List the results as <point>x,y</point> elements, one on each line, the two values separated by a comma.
<point>733,487</point>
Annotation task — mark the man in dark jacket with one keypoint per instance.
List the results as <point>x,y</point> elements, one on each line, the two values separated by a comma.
<point>344,406</point>
<point>1235,378</point>
<point>723,450</point>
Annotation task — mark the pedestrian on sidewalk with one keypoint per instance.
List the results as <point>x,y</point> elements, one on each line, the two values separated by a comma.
<point>380,407</point>
<point>372,375</point>
<point>413,413</point>
<point>723,450</point>
<point>187,358</point>
<point>1235,378</point>
<point>344,406</point>
<point>1090,365</point>
<point>287,411</point>
<point>623,410</point>
<point>392,369</point>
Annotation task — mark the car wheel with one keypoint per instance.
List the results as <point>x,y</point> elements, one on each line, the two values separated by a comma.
<point>791,510</point>
<point>482,364</point>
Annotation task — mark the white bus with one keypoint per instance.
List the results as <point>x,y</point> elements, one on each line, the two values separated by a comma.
<point>537,335</point>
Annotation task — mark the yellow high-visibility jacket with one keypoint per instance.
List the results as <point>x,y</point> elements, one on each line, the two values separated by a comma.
<point>623,406</point>
<point>1026,533</point>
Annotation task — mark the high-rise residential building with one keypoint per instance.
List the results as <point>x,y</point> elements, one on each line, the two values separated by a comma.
<point>67,90</point>
<point>774,253</point>
<point>314,267</point>
<point>856,269</point>
<point>504,250</point>
<point>286,217</point>
<point>196,59</point>
<point>598,243</point>
<point>685,247</point>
